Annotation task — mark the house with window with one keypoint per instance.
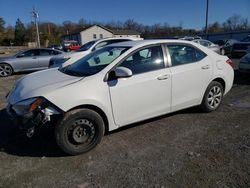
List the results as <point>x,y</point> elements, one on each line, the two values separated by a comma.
<point>97,32</point>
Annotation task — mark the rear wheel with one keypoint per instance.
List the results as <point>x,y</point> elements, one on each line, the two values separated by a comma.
<point>213,97</point>
<point>79,131</point>
<point>5,70</point>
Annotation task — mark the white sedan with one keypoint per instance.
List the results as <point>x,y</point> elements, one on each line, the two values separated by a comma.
<point>71,57</point>
<point>119,85</point>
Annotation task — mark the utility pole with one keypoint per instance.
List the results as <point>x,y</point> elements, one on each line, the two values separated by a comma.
<point>35,16</point>
<point>206,27</point>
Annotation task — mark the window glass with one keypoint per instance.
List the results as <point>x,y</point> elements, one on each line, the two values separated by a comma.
<point>94,36</point>
<point>118,40</point>
<point>94,62</point>
<point>54,52</point>
<point>30,53</point>
<point>205,43</point>
<point>101,36</point>
<point>86,46</point>
<point>101,44</point>
<point>184,54</point>
<point>44,52</point>
<point>145,60</point>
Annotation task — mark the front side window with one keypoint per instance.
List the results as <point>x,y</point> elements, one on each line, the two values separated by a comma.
<point>44,52</point>
<point>30,53</point>
<point>184,54</point>
<point>94,62</point>
<point>145,60</point>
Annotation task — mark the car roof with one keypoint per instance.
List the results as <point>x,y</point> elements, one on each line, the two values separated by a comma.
<point>42,49</point>
<point>119,38</point>
<point>150,42</point>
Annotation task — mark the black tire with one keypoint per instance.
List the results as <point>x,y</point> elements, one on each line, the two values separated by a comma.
<point>214,92</point>
<point>79,131</point>
<point>5,70</point>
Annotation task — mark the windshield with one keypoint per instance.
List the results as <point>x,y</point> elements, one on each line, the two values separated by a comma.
<point>94,62</point>
<point>86,46</point>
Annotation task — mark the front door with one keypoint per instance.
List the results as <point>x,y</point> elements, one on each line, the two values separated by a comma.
<point>27,60</point>
<point>147,93</point>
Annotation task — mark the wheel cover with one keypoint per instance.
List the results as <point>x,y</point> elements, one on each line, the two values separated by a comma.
<point>81,132</point>
<point>5,70</point>
<point>214,97</point>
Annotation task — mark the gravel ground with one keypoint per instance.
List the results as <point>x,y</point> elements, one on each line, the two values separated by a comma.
<point>183,149</point>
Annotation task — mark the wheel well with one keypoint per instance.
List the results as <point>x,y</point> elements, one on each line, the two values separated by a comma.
<point>99,111</point>
<point>222,82</point>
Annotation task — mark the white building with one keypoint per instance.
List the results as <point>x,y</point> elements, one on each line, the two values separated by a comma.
<point>97,32</point>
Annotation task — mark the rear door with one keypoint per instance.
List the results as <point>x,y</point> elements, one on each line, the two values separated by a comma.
<point>44,57</point>
<point>191,71</point>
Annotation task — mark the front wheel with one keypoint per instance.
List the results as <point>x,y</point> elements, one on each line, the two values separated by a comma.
<point>79,131</point>
<point>213,97</point>
<point>5,70</point>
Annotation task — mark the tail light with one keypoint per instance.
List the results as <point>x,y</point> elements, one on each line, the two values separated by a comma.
<point>230,62</point>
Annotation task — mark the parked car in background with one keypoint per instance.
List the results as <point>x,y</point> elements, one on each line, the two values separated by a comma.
<point>208,44</point>
<point>85,49</point>
<point>244,65</point>
<point>239,49</point>
<point>225,46</point>
<point>55,46</point>
<point>117,85</point>
<point>27,60</point>
<point>189,38</point>
<point>70,45</point>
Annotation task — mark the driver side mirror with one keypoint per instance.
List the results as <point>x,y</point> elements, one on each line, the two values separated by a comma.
<point>122,72</point>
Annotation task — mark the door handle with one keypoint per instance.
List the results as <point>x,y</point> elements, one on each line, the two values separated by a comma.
<point>205,67</point>
<point>34,57</point>
<point>163,77</point>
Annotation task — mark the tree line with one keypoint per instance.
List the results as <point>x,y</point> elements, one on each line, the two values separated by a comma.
<point>20,34</point>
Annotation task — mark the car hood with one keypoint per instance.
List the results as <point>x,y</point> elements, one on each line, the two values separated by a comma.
<point>39,84</point>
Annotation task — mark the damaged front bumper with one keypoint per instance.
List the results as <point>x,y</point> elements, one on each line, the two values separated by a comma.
<point>29,121</point>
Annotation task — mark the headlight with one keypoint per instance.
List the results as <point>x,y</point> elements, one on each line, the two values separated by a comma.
<point>27,106</point>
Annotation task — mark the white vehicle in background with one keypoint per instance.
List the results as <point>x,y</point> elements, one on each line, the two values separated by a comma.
<point>71,57</point>
<point>117,85</point>
<point>209,45</point>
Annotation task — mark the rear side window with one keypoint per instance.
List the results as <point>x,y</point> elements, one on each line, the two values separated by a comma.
<point>54,52</point>
<point>145,60</point>
<point>45,52</point>
<point>184,54</point>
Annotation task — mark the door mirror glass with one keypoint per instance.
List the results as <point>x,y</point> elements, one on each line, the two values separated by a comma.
<point>123,72</point>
